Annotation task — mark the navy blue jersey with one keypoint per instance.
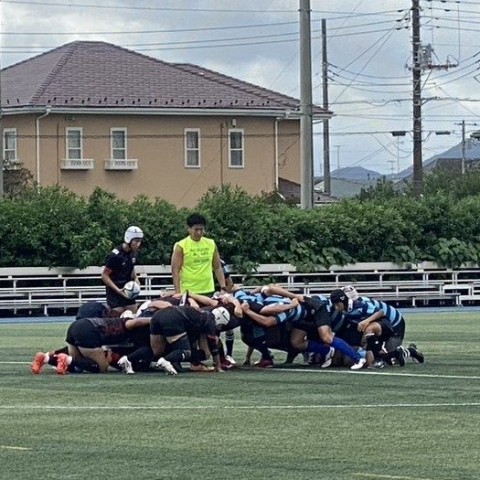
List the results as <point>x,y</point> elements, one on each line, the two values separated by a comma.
<point>291,315</point>
<point>244,296</point>
<point>365,307</point>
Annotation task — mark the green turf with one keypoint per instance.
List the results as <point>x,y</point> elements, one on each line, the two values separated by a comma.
<point>416,423</point>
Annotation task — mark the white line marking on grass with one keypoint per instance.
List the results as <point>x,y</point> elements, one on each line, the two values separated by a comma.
<point>9,447</point>
<point>372,372</point>
<point>232,407</point>
<point>15,363</point>
<point>393,477</point>
<point>328,370</point>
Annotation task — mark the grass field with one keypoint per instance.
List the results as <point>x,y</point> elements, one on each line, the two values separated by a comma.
<point>416,423</point>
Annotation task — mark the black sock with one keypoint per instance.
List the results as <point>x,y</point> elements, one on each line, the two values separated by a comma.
<point>229,341</point>
<point>261,345</point>
<point>85,364</point>
<point>179,356</point>
<point>374,345</point>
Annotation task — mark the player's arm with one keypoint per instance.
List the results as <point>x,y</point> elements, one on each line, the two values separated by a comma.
<point>203,300</point>
<point>238,306</point>
<point>159,304</point>
<point>279,308</point>
<point>378,315</point>
<point>137,322</point>
<point>107,280</point>
<point>176,265</point>
<point>218,270</point>
<point>212,342</point>
<point>263,320</point>
<point>274,289</point>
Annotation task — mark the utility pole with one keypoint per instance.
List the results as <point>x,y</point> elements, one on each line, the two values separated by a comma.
<point>327,185</point>
<point>417,101</point>
<point>463,147</point>
<point>306,117</point>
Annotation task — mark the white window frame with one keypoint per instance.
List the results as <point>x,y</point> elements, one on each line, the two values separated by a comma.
<point>5,133</point>
<point>112,148</point>
<point>69,130</point>
<point>231,150</point>
<point>190,150</point>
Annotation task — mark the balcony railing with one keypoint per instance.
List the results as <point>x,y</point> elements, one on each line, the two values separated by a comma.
<point>78,164</point>
<point>123,164</point>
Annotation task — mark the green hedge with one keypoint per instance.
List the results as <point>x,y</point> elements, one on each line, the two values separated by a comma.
<point>54,227</point>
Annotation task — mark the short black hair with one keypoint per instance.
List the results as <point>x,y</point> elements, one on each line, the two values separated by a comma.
<point>338,296</point>
<point>196,219</point>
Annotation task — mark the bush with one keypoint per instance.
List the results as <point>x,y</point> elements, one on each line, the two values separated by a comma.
<point>54,227</point>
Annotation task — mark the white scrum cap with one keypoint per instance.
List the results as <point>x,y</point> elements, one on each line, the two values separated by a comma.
<point>133,232</point>
<point>222,317</point>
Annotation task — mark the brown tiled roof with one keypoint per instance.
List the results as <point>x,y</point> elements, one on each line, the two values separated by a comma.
<point>99,74</point>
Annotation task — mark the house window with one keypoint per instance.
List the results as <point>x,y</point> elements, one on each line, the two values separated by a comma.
<point>235,147</point>
<point>10,144</point>
<point>192,148</point>
<point>74,144</point>
<point>118,143</point>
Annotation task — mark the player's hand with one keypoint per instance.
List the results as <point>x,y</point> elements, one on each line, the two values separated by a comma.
<point>362,326</point>
<point>245,306</point>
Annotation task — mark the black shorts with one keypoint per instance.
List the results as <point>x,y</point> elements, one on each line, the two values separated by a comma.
<point>167,322</point>
<point>82,333</point>
<point>319,314</point>
<point>114,300</point>
<point>386,326</point>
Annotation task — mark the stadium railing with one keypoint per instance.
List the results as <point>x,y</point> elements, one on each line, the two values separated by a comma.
<point>62,288</point>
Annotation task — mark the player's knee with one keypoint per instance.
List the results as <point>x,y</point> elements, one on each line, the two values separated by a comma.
<point>297,343</point>
<point>326,335</point>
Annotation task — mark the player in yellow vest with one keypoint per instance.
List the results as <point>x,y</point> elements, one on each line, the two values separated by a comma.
<point>195,260</point>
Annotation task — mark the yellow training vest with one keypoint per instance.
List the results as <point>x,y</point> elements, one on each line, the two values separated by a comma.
<point>196,274</point>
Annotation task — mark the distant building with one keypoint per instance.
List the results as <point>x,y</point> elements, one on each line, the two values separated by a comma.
<point>342,188</point>
<point>291,191</point>
<point>91,114</point>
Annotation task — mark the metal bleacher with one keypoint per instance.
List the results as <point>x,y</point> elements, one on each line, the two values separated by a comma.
<point>39,289</point>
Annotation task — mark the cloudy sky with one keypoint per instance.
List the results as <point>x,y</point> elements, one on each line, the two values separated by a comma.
<point>369,52</point>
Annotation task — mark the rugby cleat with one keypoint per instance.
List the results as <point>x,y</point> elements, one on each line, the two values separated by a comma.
<point>328,358</point>
<point>360,363</point>
<point>62,364</point>
<point>126,365</point>
<point>402,355</point>
<point>166,366</point>
<point>417,356</point>
<point>39,360</point>
<point>264,363</point>
<point>230,359</point>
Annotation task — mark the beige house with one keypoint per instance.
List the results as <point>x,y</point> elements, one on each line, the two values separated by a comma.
<point>93,114</point>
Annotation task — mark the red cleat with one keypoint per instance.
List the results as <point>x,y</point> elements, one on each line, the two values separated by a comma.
<point>264,363</point>
<point>38,363</point>
<point>62,364</point>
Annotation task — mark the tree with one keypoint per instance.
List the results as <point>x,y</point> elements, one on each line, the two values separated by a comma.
<point>16,179</point>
